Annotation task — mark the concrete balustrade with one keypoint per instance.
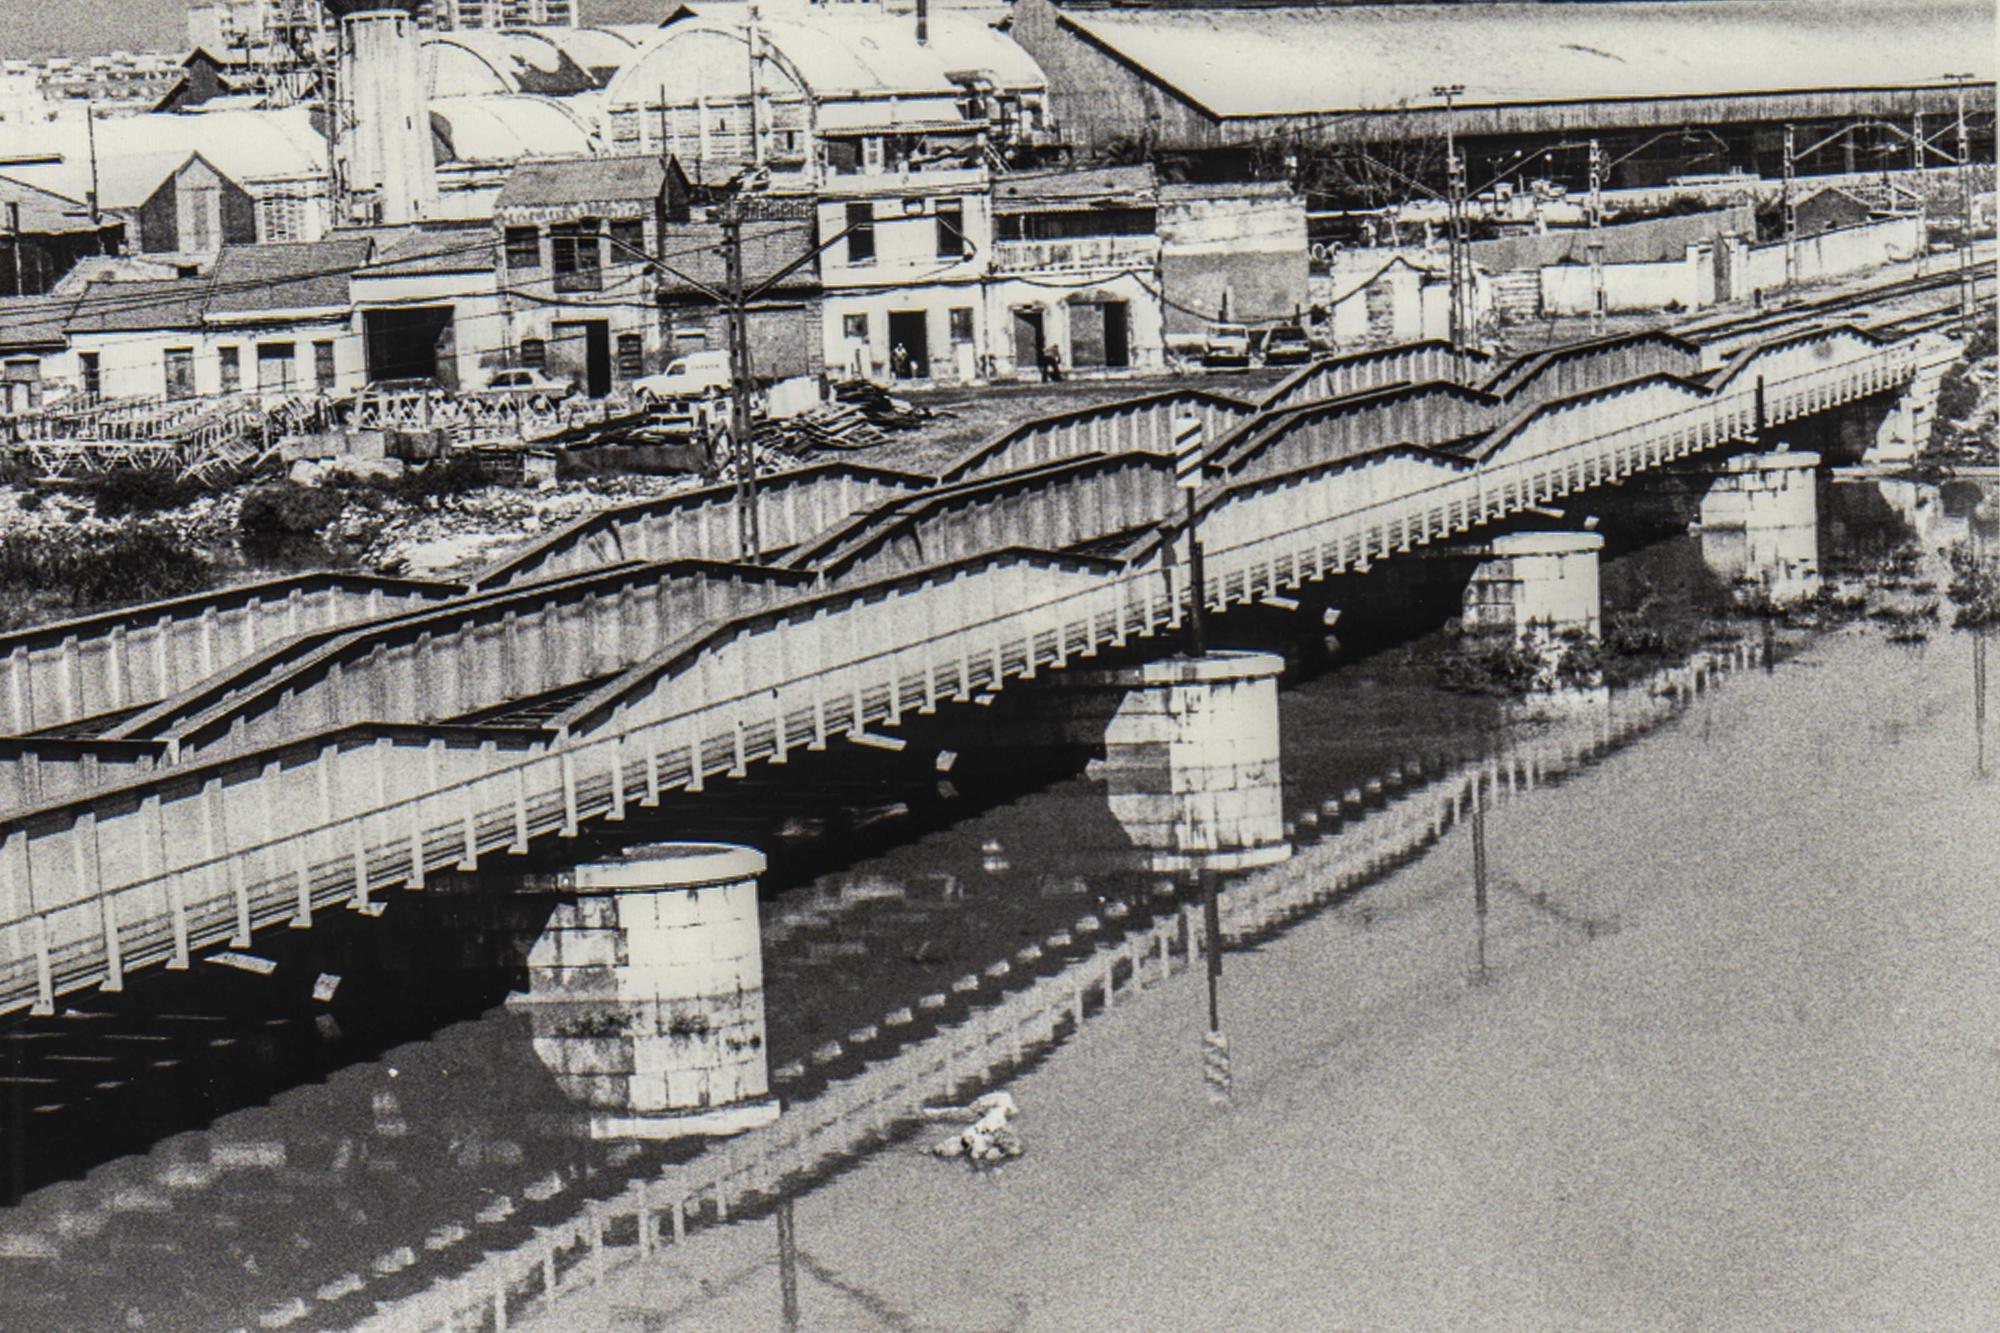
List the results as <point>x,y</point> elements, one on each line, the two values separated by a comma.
<point>646,991</point>
<point>1536,584</point>
<point>793,506</point>
<point>58,674</point>
<point>473,656</point>
<point>1055,507</point>
<point>1760,525</point>
<point>1143,425</point>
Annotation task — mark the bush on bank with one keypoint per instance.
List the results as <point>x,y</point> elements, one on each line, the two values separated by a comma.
<point>53,573</point>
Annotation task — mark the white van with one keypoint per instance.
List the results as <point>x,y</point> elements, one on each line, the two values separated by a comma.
<point>688,376</point>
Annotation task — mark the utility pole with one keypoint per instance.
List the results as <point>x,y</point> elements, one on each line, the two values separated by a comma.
<point>1917,164</point>
<point>749,535</point>
<point>1964,214</point>
<point>14,249</point>
<point>1597,302</point>
<point>1791,215</point>
<point>90,128</point>
<point>1454,211</point>
<point>1188,443</point>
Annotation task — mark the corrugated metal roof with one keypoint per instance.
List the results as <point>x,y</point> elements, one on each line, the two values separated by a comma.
<point>472,61</point>
<point>582,181</point>
<point>1113,187</point>
<point>510,127</point>
<point>841,51</point>
<point>402,252</point>
<point>135,153</point>
<point>1300,61</point>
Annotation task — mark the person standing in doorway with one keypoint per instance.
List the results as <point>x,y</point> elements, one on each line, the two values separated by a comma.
<point>899,361</point>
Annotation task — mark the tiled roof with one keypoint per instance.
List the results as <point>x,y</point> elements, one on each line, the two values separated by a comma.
<point>299,275</point>
<point>33,321</point>
<point>122,307</point>
<point>43,212</point>
<point>1115,187</point>
<point>589,180</point>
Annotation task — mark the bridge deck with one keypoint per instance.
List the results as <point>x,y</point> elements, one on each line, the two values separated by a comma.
<point>338,806</point>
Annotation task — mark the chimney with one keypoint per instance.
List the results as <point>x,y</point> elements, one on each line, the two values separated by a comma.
<point>387,146</point>
<point>923,22</point>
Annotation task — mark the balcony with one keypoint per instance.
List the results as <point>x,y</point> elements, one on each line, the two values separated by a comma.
<point>1075,254</point>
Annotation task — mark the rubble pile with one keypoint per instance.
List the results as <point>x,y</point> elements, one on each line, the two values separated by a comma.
<point>881,408</point>
<point>840,427</point>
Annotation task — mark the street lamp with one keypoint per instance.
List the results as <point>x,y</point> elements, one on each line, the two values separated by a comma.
<point>1454,211</point>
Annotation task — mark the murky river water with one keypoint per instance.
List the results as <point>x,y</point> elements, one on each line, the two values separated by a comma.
<point>1739,1027</point>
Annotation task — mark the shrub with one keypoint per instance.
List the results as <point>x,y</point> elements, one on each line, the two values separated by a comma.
<point>47,575</point>
<point>274,514</point>
<point>132,490</point>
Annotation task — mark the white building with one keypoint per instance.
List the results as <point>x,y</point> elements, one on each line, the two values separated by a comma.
<point>904,272</point>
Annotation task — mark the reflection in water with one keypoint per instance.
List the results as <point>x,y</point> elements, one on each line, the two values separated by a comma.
<point>1760,525</point>
<point>1479,875</point>
<point>1979,701</point>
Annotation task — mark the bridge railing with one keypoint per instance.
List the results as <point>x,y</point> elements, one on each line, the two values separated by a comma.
<point>793,506</point>
<point>60,673</point>
<point>208,851</point>
<point>1056,506</point>
<point>1144,424</point>
<point>473,657</point>
<point>198,853</point>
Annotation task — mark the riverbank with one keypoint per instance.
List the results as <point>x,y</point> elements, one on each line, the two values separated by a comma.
<point>1758,1097</point>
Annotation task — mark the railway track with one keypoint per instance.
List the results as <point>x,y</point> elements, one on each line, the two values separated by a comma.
<point>1846,303</point>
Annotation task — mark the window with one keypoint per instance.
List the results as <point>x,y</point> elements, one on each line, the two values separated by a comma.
<point>631,356</point>
<point>180,372</point>
<point>854,327</point>
<point>232,369</point>
<point>534,353</point>
<point>524,247</point>
<point>961,324</point>
<point>323,366</point>
<point>625,126</point>
<point>628,240</point>
<point>951,229</point>
<point>861,233</point>
<point>93,380</point>
<point>275,366</point>
<point>576,253</point>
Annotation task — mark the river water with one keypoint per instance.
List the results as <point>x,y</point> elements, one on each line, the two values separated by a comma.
<point>1731,1062</point>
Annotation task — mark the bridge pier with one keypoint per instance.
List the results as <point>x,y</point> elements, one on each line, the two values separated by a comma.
<point>646,991</point>
<point>1760,524</point>
<point>1536,585</point>
<point>1185,749</point>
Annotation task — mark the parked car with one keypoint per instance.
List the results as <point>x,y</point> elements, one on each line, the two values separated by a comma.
<point>1226,345</point>
<point>527,384</point>
<point>689,376</point>
<point>1287,345</point>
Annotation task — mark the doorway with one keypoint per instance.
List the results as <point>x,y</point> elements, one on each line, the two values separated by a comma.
<point>908,329</point>
<point>402,342</point>
<point>585,353</point>
<point>1027,337</point>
